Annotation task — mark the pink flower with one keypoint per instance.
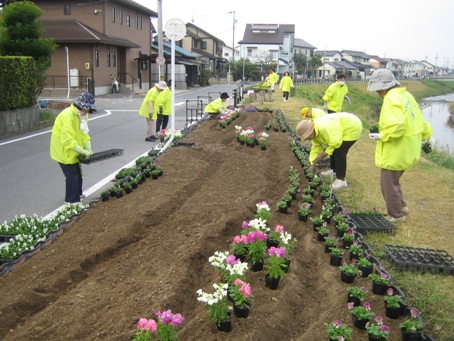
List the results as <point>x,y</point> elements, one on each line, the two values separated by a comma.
<point>350,305</point>
<point>414,313</point>
<point>254,235</point>
<point>337,324</point>
<point>142,323</point>
<point>177,319</point>
<point>246,290</point>
<point>277,251</point>
<point>237,281</point>
<point>379,320</point>
<point>383,275</point>
<point>245,225</point>
<point>165,316</point>
<point>384,328</point>
<point>367,305</point>
<point>390,292</point>
<point>354,261</point>
<point>279,229</point>
<point>151,325</point>
<point>231,260</point>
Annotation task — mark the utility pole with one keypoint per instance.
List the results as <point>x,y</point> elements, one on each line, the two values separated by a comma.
<point>233,47</point>
<point>160,47</point>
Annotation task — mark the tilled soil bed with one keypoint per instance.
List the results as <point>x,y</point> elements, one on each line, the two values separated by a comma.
<point>128,258</point>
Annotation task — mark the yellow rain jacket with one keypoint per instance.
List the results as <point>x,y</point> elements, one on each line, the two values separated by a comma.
<point>402,128</point>
<point>334,96</point>
<point>286,83</point>
<point>214,106</point>
<point>331,130</point>
<point>273,77</point>
<point>316,113</point>
<point>66,134</point>
<point>151,96</point>
<point>163,100</point>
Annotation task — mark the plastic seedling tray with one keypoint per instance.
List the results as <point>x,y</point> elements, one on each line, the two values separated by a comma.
<point>420,259</point>
<point>372,223</point>
<point>100,156</point>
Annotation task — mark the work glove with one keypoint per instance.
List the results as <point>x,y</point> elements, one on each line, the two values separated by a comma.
<point>78,149</point>
<point>312,168</point>
<point>431,141</point>
<point>325,107</point>
<point>320,158</point>
<point>87,146</point>
<point>375,136</point>
<point>348,99</point>
<point>85,153</point>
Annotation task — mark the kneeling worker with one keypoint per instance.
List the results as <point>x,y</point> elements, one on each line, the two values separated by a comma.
<point>216,107</point>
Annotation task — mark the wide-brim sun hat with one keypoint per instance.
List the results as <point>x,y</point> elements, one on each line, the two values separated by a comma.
<point>161,85</point>
<point>225,95</point>
<point>382,79</point>
<point>304,129</point>
<point>304,111</point>
<point>85,101</point>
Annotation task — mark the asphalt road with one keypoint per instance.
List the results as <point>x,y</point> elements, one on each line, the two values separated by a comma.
<point>32,183</point>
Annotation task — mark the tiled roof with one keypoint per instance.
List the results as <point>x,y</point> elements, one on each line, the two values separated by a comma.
<point>356,53</point>
<point>327,53</point>
<point>73,31</point>
<point>342,65</point>
<point>270,34</point>
<point>302,43</point>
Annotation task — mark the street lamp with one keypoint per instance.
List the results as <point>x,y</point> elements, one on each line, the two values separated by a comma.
<point>233,44</point>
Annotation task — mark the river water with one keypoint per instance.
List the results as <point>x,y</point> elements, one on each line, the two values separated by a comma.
<point>436,111</point>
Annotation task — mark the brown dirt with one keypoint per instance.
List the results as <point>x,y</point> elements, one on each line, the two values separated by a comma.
<point>127,258</point>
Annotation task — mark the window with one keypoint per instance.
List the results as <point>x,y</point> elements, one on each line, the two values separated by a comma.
<point>143,65</point>
<point>195,43</point>
<point>140,23</point>
<point>249,52</point>
<point>113,14</point>
<point>121,17</point>
<point>114,57</point>
<point>67,9</point>
<point>108,58</point>
<point>203,45</point>
<point>128,20</point>
<point>137,21</point>
<point>96,57</point>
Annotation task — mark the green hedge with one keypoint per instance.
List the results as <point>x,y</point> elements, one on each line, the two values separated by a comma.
<point>18,85</point>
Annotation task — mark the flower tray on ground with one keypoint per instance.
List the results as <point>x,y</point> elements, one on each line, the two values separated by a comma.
<point>99,156</point>
<point>420,259</point>
<point>372,223</point>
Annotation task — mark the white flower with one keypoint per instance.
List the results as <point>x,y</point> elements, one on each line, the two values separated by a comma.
<point>259,225</point>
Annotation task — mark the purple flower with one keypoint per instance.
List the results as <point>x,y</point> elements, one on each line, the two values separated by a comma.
<point>379,320</point>
<point>231,260</point>
<point>414,313</point>
<point>367,305</point>
<point>177,319</point>
<point>165,316</point>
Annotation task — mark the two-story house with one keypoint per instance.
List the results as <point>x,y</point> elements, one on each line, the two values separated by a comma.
<point>333,65</point>
<point>360,60</point>
<point>379,63</point>
<point>430,68</point>
<point>98,41</point>
<point>207,47</point>
<point>269,44</point>
<point>414,68</point>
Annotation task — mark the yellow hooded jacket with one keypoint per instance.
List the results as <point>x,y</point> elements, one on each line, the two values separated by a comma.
<point>150,96</point>
<point>316,113</point>
<point>402,128</point>
<point>273,77</point>
<point>164,99</point>
<point>214,106</point>
<point>66,134</point>
<point>331,130</point>
<point>334,96</point>
<point>286,83</point>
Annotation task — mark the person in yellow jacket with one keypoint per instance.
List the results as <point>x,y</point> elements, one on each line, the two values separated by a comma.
<point>216,107</point>
<point>70,140</point>
<point>335,95</point>
<point>312,113</point>
<point>147,110</point>
<point>272,79</point>
<point>163,105</point>
<point>331,135</point>
<point>285,84</point>
<point>402,129</point>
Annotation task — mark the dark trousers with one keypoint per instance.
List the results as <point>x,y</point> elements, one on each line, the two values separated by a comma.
<point>285,94</point>
<point>73,174</point>
<point>338,160</point>
<point>161,122</point>
<point>331,111</point>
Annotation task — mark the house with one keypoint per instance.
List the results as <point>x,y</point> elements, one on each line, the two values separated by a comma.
<point>360,60</point>
<point>378,62</point>
<point>430,68</point>
<point>329,55</point>
<point>331,69</point>
<point>207,47</point>
<point>269,44</point>
<point>302,46</point>
<point>413,68</point>
<point>98,41</point>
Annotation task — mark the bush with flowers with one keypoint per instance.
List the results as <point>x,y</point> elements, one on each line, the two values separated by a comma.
<point>391,300</point>
<point>380,278</point>
<point>263,211</point>
<point>287,242</point>
<point>357,292</point>
<point>341,217</point>
<point>331,240</point>
<point>349,236</point>
<point>164,329</point>
<point>257,248</point>
<point>304,209</point>
<point>241,293</point>
<point>349,269</point>
<point>275,235</point>
<point>356,249</point>
<point>216,303</point>
<point>258,224</point>
<point>229,266</point>
<point>263,138</point>
<point>337,330</point>
<point>378,330</point>
<point>362,312</point>
<point>275,264</point>
<point>239,245</point>
<point>165,134</point>
<point>412,325</point>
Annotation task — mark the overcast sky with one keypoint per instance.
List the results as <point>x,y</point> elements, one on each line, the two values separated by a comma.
<point>404,29</point>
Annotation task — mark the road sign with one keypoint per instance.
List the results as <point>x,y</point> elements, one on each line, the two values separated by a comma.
<point>160,60</point>
<point>175,29</point>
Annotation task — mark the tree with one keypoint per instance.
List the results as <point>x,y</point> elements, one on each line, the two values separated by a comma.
<point>249,69</point>
<point>21,35</point>
<point>300,60</point>
<point>315,62</point>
